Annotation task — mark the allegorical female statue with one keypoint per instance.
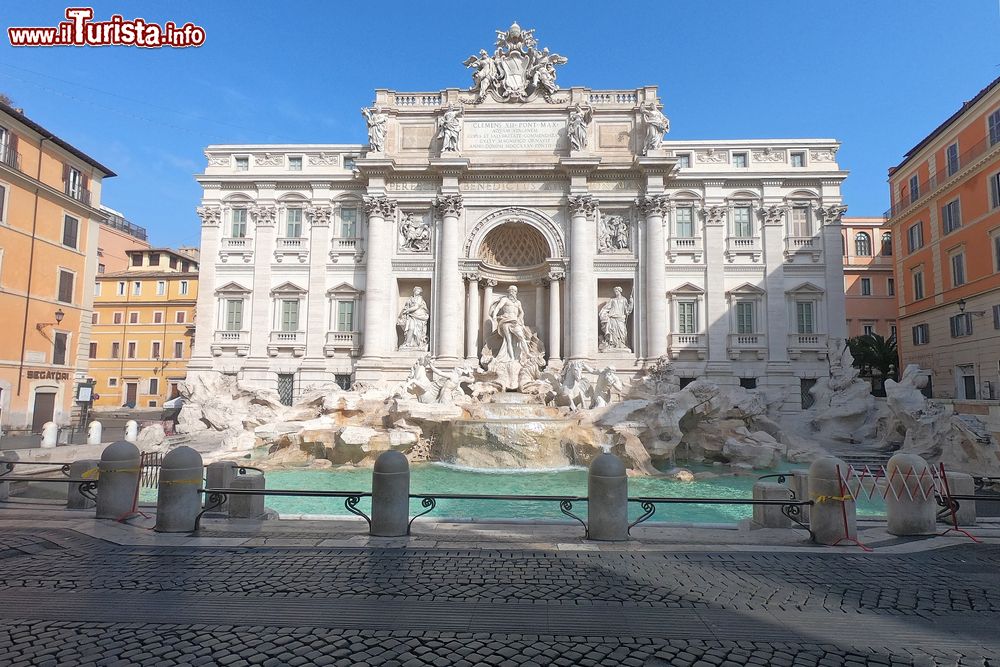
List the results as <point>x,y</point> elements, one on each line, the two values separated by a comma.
<point>656,126</point>
<point>613,318</point>
<point>576,128</point>
<point>449,127</point>
<point>413,320</point>
<point>377,124</point>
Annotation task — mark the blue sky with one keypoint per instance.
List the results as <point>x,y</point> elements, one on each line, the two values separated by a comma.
<point>876,74</point>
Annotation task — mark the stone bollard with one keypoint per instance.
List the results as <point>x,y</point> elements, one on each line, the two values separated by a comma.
<point>910,506</point>
<point>50,435</point>
<point>4,486</point>
<point>960,484</point>
<point>95,431</point>
<point>247,507</point>
<point>832,504</point>
<point>118,480</point>
<point>390,495</point>
<point>85,469</point>
<point>799,483</point>
<point>607,499</point>
<point>131,430</point>
<point>220,475</point>
<point>770,516</point>
<point>178,501</point>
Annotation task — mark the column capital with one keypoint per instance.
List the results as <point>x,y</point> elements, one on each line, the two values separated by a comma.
<point>715,216</point>
<point>210,216</point>
<point>471,277</point>
<point>379,206</point>
<point>772,215</point>
<point>449,205</point>
<point>653,205</point>
<point>831,215</point>
<point>583,204</point>
<point>319,216</point>
<point>264,216</point>
<point>555,275</point>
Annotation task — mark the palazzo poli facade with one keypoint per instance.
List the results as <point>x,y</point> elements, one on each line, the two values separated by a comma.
<point>349,263</point>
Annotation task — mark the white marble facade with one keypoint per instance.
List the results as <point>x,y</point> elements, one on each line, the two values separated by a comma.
<point>729,250</point>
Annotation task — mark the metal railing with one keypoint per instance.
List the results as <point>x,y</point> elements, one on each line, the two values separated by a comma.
<point>7,467</point>
<point>216,498</point>
<point>118,222</point>
<point>10,157</point>
<point>78,193</point>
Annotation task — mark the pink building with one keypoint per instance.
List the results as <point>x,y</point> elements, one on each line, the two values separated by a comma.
<point>869,283</point>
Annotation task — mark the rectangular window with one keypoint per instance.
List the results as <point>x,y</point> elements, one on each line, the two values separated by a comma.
<point>892,331</point>
<point>996,317</point>
<point>684,222</point>
<point>117,318</point>
<point>71,232</point>
<point>239,220</point>
<point>74,183</point>
<point>65,294</point>
<point>914,188</point>
<point>343,381</point>
<point>349,162</point>
<point>133,317</point>
<point>345,316</point>
<point>798,159</point>
<point>804,322</point>
<point>958,269</point>
<point>295,163</point>
<point>951,158</point>
<point>951,217</point>
<point>915,237</point>
<point>739,160</point>
<point>921,334</point>
<point>918,285</point>
<point>154,386</point>
<point>137,259</point>
<point>178,349</point>
<point>234,314</point>
<point>684,160</point>
<point>242,163</point>
<point>155,350</point>
<point>101,268</point>
<point>293,223</point>
<point>157,317</point>
<point>136,288</point>
<point>93,351</point>
<point>289,314</point>
<point>866,287</point>
<point>116,350</point>
<point>349,223</point>
<point>131,350</point>
<point>184,287</point>
<point>960,325</point>
<point>748,383</point>
<point>868,329</point>
<point>97,289</point>
<point>94,318</point>
<point>800,221</point>
<point>59,348</point>
<point>742,226</point>
<point>687,317</point>
<point>744,317</point>
<point>154,259</point>
<point>121,288</point>
<point>995,127</point>
<point>890,286</point>
<point>995,190</point>
<point>112,382</point>
<point>180,317</point>
<point>161,287</point>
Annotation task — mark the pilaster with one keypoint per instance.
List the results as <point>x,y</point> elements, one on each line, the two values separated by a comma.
<point>318,216</point>
<point>583,284</point>
<point>450,309</point>
<point>654,311</point>
<point>263,216</point>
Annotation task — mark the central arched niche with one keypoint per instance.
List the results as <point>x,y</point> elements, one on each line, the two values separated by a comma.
<point>514,244</point>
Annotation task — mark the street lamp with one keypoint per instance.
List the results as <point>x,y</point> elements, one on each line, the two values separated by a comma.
<point>961,308</point>
<point>59,315</point>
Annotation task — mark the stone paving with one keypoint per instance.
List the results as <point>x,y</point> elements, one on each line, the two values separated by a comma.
<point>67,598</point>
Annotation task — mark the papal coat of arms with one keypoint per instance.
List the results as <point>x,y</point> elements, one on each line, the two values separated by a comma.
<point>517,70</point>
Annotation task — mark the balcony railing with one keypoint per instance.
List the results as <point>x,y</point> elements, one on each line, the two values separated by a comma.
<point>346,244</point>
<point>739,343</point>
<point>10,157</point>
<point>118,222</point>
<point>811,245</point>
<point>806,342</point>
<point>236,243</point>
<point>291,245</point>
<point>685,244</point>
<point>938,178</point>
<point>289,337</point>
<point>743,245</point>
<point>687,342</point>
<point>235,341</point>
<point>78,193</point>
<point>232,336</point>
<point>349,341</point>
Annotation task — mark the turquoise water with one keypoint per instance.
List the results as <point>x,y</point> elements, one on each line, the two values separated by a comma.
<point>436,478</point>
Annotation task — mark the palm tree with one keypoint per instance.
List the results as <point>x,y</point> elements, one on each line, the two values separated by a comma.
<point>877,357</point>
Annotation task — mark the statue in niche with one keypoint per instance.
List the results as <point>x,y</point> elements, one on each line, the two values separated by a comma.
<point>378,122</point>
<point>613,317</point>
<point>416,235</point>
<point>576,129</point>
<point>449,128</point>
<point>656,126</point>
<point>613,234</point>
<point>413,320</point>
<point>520,356</point>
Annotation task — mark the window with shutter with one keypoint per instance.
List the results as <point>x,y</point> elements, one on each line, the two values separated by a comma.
<point>686,317</point>
<point>93,351</point>
<point>157,317</point>
<point>996,317</point>
<point>289,315</point>
<point>958,269</point>
<point>239,226</point>
<point>800,221</point>
<point>293,223</point>
<point>744,317</point>
<point>234,314</point>
<point>951,216</point>
<point>3,198</point>
<point>65,294</point>
<point>951,158</point>
<point>742,226</point>
<point>914,188</point>
<point>345,316</point>
<point>684,227</point>
<point>804,317</point>
<point>131,350</point>
<point>59,349</point>
<point>155,351</point>
<point>995,127</point>
<point>178,349</point>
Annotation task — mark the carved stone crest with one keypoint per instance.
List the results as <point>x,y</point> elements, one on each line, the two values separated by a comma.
<point>269,160</point>
<point>712,156</point>
<point>769,155</point>
<point>517,71</point>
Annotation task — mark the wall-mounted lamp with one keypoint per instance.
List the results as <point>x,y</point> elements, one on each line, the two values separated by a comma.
<point>59,315</point>
<point>961,308</point>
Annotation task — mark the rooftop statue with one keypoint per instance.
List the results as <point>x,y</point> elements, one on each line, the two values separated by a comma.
<point>517,71</point>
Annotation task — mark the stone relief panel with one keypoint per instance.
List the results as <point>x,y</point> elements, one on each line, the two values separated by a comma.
<point>768,155</point>
<point>712,156</point>
<point>415,232</point>
<point>614,232</point>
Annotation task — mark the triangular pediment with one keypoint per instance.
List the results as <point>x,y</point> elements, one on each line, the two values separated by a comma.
<point>288,287</point>
<point>687,288</point>
<point>746,288</point>
<point>806,288</point>
<point>232,288</point>
<point>344,289</point>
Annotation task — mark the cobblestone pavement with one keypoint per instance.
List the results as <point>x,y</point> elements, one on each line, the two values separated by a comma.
<point>67,599</point>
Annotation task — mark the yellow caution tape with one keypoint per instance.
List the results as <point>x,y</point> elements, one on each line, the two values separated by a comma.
<point>93,472</point>
<point>181,481</point>
<point>122,470</point>
<point>832,499</point>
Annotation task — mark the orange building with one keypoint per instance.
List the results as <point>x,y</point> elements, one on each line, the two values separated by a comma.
<point>50,196</point>
<point>869,283</point>
<point>143,328</point>
<point>945,219</point>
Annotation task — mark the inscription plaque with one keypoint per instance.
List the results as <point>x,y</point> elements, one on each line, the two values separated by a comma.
<point>512,135</point>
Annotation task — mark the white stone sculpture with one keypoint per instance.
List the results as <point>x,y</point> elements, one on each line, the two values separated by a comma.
<point>576,129</point>
<point>607,388</point>
<point>449,128</point>
<point>570,388</point>
<point>843,406</point>
<point>656,126</point>
<point>614,321</point>
<point>519,356</point>
<point>416,236</point>
<point>378,122</point>
<point>517,70</point>
<point>613,234</point>
<point>413,318</point>
<point>431,384</point>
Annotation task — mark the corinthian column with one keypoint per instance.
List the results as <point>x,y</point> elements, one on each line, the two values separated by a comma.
<point>472,321</point>
<point>378,278</point>
<point>555,313</point>
<point>654,306</point>
<point>450,307</point>
<point>582,284</point>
